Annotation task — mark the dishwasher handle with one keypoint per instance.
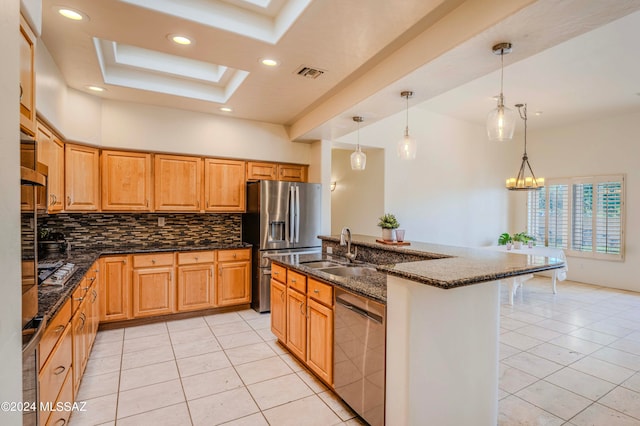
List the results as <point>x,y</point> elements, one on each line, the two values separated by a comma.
<point>353,308</point>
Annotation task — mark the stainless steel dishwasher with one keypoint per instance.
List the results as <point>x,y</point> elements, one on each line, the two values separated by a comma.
<point>359,355</point>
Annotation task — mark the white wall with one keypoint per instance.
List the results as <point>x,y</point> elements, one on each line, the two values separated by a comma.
<point>358,200</point>
<point>51,89</point>
<point>320,172</point>
<point>453,192</point>
<point>10,302</point>
<point>596,147</point>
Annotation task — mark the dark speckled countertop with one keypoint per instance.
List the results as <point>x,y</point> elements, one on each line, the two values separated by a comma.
<point>51,298</point>
<point>373,286</point>
<point>449,266</point>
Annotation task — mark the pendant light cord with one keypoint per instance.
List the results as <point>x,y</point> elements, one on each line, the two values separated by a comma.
<point>524,117</point>
<point>406,128</point>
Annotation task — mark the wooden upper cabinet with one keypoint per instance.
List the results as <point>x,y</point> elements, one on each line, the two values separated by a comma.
<point>82,178</point>
<point>51,153</point>
<point>261,171</point>
<point>177,182</point>
<point>292,172</point>
<point>27,78</point>
<point>224,185</point>
<point>276,171</point>
<point>126,181</point>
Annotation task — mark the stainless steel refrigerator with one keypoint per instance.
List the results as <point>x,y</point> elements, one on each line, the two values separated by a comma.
<point>281,218</point>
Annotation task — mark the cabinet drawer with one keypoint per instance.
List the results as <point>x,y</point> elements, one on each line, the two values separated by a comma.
<point>190,258</point>
<point>151,260</point>
<point>321,292</point>
<point>231,255</point>
<point>79,294</point>
<point>61,417</point>
<point>279,273</point>
<point>55,370</point>
<point>54,331</point>
<point>297,281</point>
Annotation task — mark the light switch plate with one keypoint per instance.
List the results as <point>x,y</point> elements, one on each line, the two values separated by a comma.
<point>329,250</point>
<point>161,221</point>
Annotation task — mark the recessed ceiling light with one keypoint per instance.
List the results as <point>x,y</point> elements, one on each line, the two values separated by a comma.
<point>96,88</point>
<point>226,109</point>
<point>180,39</point>
<point>269,62</point>
<point>74,15</point>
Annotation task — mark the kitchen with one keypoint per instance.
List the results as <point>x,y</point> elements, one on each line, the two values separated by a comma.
<point>149,128</point>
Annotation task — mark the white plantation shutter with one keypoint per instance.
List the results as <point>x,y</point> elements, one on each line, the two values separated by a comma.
<point>583,215</point>
<point>537,209</point>
<point>608,220</point>
<point>558,215</point>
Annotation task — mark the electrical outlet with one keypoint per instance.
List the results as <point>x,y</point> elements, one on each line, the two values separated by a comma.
<point>161,221</point>
<point>329,250</point>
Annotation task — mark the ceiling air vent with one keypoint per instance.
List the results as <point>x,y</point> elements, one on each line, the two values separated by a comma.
<point>309,72</point>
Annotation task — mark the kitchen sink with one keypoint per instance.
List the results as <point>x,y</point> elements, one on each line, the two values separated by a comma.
<point>316,264</point>
<point>350,271</point>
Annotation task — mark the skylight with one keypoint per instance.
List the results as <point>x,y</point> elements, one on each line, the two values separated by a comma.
<point>138,68</point>
<point>264,20</point>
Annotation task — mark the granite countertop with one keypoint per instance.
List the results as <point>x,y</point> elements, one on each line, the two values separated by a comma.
<point>51,298</point>
<point>373,286</point>
<point>450,267</point>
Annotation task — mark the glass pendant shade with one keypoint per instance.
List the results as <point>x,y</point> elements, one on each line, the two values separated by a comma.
<point>358,159</point>
<point>501,122</point>
<point>407,147</point>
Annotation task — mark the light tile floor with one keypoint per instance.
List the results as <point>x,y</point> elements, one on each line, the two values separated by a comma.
<point>567,359</point>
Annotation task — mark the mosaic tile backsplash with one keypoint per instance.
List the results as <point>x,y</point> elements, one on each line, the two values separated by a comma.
<point>87,230</point>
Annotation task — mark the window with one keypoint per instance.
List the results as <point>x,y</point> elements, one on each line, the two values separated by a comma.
<point>582,215</point>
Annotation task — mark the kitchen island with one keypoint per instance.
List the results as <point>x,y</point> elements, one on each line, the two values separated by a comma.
<point>442,307</point>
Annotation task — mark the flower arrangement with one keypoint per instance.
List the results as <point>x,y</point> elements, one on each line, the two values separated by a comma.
<point>388,221</point>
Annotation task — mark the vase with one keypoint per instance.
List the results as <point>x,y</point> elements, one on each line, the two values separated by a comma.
<point>530,244</point>
<point>517,244</point>
<point>509,245</point>
<point>387,234</point>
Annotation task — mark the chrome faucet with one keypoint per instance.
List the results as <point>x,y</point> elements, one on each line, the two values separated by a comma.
<point>345,240</point>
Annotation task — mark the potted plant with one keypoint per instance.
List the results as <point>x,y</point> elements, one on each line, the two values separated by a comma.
<point>504,239</point>
<point>50,242</point>
<point>522,238</point>
<point>388,223</point>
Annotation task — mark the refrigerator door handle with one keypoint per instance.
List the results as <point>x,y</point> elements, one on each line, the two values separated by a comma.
<point>291,214</point>
<point>297,240</point>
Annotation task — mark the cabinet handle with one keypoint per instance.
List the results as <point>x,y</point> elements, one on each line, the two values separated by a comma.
<point>58,329</point>
<point>235,255</point>
<point>124,262</point>
<point>53,199</point>
<point>59,370</point>
<point>60,422</point>
<point>196,258</point>
<point>316,291</point>
<point>276,273</point>
<point>153,261</point>
<point>207,204</point>
<point>293,280</point>
<point>21,91</point>
<point>95,296</point>
<point>68,200</point>
<point>79,299</point>
<point>198,204</point>
<point>282,296</point>
<point>146,203</point>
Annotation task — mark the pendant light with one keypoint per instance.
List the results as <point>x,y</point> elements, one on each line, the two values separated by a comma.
<point>501,121</point>
<point>407,145</point>
<point>524,181</point>
<point>358,158</point>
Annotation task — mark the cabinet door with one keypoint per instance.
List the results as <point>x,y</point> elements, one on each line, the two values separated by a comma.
<point>279,310</point>
<point>27,78</point>
<point>195,287</point>
<point>55,181</point>
<point>115,289</point>
<point>292,172</point>
<point>93,313</point>
<point>320,340</point>
<point>79,331</point>
<point>296,323</point>
<point>261,171</point>
<point>52,376</point>
<point>153,292</point>
<point>177,183</point>
<point>224,185</point>
<point>126,181</point>
<point>81,178</point>
<point>234,283</point>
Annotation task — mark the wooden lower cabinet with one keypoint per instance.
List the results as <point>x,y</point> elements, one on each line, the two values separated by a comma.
<point>79,328</point>
<point>279,310</point>
<point>296,323</point>
<point>195,287</point>
<point>61,417</point>
<point>320,340</point>
<point>234,277</point>
<point>153,292</point>
<point>55,371</point>
<point>302,318</point>
<point>115,288</point>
